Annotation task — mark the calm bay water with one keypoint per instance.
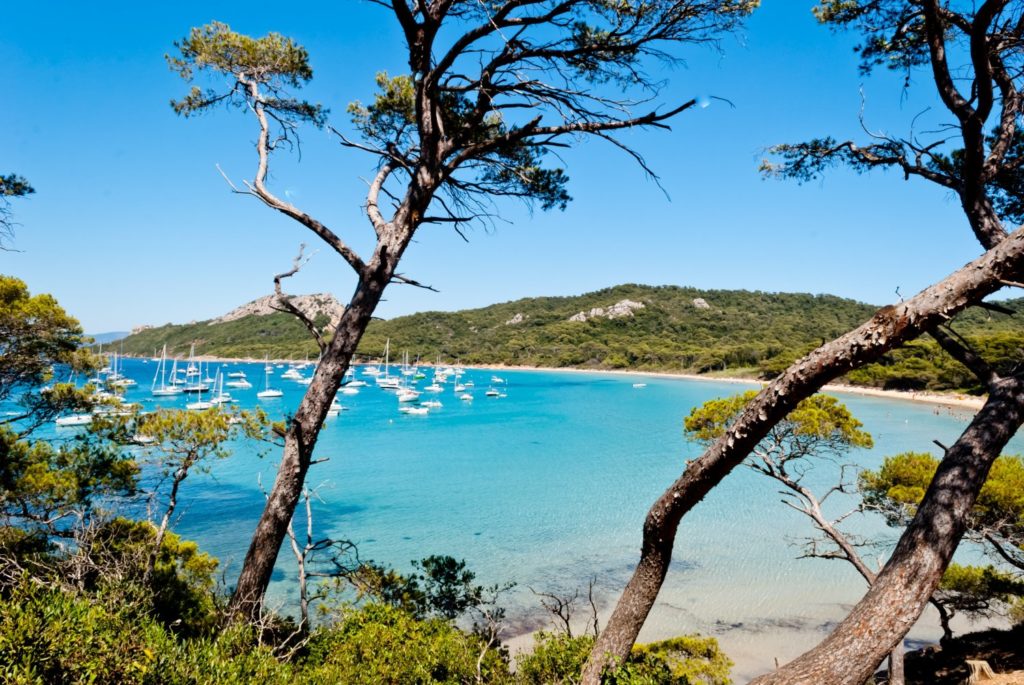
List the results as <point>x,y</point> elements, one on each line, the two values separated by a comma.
<point>548,488</point>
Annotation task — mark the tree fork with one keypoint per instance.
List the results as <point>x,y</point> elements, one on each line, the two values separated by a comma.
<point>891,326</point>
<point>850,654</point>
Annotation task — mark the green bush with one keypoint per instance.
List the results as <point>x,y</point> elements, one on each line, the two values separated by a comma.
<point>48,636</point>
<point>180,591</point>
<point>558,659</point>
<point>380,644</point>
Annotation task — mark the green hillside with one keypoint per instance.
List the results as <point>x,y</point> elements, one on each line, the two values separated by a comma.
<point>726,331</point>
<point>278,335</point>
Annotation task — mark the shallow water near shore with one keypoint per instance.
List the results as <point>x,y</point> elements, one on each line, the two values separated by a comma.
<point>547,487</point>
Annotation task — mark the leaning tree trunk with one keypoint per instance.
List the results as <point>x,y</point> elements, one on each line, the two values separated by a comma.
<point>902,589</point>
<point>300,439</point>
<point>889,327</point>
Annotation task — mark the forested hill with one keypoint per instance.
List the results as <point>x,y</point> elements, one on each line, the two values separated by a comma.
<point>624,327</point>
<point>676,328</point>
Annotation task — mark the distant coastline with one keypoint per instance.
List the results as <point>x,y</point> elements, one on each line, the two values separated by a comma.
<point>950,399</point>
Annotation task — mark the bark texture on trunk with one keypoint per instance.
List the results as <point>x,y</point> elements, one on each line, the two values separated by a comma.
<point>902,589</point>
<point>888,328</point>
<point>300,440</point>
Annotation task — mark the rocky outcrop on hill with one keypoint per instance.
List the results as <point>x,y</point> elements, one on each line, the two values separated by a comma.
<point>701,303</point>
<point>312,306</point>
<point>515,320</point>
<point>619,310</point>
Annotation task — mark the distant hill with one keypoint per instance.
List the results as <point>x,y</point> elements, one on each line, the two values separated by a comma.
<point>640,327</point>
<point>104,338</point>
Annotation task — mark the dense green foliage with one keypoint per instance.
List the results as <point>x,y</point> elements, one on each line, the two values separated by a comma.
<point>44,488</point>
<point>49,636</point>
<point>978,591</point>
<point>900,483</point>
<point>740,333</point>
<point>37,335</point>
<point>272,63</point>
<point>996,521</point>
<point>819,425</point>
<point>557,659</point>
<point>385,644</point>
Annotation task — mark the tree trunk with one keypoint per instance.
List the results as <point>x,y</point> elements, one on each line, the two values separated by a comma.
<point>896,674</point>
<point>889,327</point>
<point>172,502</point>
<point>902,589</point>
<point>945,616</point>
<point>300,440</point>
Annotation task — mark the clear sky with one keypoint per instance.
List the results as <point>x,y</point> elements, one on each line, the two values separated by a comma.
<point>132,224</point>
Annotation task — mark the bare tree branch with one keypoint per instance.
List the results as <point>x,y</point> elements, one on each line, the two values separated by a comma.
<point>286,300</point>
<point>960,351</point>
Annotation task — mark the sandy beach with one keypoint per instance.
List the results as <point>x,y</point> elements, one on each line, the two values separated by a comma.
<point>946,399</point>
<point>958,400</point>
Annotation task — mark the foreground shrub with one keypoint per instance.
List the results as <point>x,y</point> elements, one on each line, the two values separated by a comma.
<point>48,636</point>
<point>557,659</point>
<point>385,644</point>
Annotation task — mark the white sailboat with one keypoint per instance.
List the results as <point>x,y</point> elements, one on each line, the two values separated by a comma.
<point>200,404</point>
<point>74,420</point>
<point>219,396</point>
<point>407,395</point>
<point>240,383</point>
<point>386,381</point>
<point>268,392</point>
<point>195,373</point>
<point>163,389</point>
<point>335,408</point>
<point>117,378</point>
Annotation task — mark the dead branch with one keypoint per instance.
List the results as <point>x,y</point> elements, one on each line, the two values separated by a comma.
<point>286,300</point>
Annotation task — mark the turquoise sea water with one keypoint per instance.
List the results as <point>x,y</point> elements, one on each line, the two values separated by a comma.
<point>548,488</point>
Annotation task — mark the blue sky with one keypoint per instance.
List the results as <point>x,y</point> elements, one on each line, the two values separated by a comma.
<point>132,224</point>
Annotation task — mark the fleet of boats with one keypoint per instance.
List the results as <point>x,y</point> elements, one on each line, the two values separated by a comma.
<point>205,384</point>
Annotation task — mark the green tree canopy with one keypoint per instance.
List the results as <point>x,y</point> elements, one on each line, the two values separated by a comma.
<point>820,425</point>
<point>11,186</point>
<point>262,68</point>
<point>36,337</point>
<point>899,485</point>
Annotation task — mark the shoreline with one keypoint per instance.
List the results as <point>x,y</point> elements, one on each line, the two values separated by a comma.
<point>957,400</point>
<point>947,399</point>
